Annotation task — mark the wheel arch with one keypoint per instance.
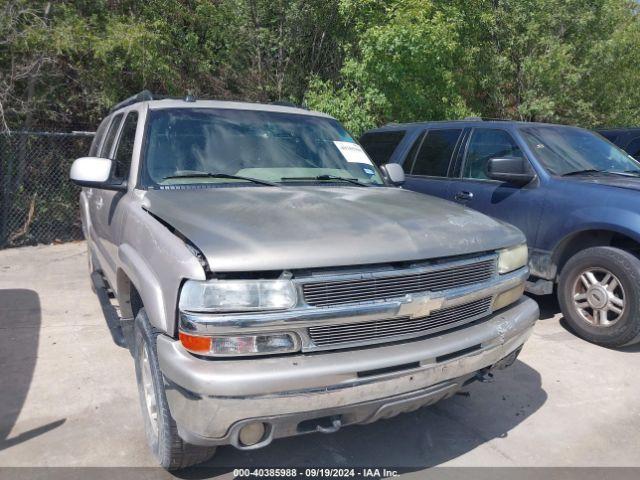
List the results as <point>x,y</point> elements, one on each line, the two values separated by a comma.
<point>138,286</point>
<point>605,236</point>
<point>129,298</point>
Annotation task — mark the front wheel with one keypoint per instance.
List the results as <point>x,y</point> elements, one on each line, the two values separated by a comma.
<point>599,294</point>
<point>162,433</point>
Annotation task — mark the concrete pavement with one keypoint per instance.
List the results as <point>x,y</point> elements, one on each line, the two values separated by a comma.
<point>68,395</point>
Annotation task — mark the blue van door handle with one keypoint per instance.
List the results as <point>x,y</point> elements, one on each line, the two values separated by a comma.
<point>463,196</point>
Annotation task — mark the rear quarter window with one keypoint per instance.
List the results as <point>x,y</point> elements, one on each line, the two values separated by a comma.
<point>381,145</point>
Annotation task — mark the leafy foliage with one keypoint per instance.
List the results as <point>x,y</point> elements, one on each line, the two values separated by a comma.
<point>364,61</point>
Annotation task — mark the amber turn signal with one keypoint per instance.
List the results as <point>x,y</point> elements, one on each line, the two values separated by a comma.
<point>195,344</point>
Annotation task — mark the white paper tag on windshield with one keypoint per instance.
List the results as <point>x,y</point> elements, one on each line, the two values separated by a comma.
<point>352,152</point>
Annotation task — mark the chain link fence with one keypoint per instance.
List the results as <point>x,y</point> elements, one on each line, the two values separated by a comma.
<point>38,202</point>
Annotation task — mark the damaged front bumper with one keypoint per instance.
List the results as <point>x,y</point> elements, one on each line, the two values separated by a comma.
<point>213,400</point>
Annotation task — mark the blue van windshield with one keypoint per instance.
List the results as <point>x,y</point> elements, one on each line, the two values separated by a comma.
<point>565,150</point>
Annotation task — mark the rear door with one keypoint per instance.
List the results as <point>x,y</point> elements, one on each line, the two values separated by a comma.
<point>519,206</point>
<point>429,163</point>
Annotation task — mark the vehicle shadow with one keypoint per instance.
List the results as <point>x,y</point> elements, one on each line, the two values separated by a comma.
<point>548,304</point>
<point>20,319</point>
<point>412,441</point>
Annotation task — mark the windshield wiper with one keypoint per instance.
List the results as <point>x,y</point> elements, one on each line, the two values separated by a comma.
<point>579,172</point>
<point>625,173</point>
<point>355,181</point>
<point>221,175</point>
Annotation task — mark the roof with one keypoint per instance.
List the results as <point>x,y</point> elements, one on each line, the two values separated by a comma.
<point>223,104</point>
<point>155,102</point>
<point>462,124</point>
<point>619,130</point>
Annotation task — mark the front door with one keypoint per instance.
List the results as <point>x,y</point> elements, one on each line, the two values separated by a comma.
<point>518,205</point>
<point>121,156</point>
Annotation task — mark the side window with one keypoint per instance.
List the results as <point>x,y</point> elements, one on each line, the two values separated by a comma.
<point>124,151</point>
<point>105,152</point>
<point>380,146</point>
<point>485,144</point>
<point>97,139</point>
<point>435,154</point>
<point>633,148</point>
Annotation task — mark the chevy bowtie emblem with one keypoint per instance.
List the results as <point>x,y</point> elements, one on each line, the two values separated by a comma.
<point>418,306</point>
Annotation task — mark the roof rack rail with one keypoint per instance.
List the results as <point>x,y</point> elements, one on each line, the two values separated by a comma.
<point>486,119</point>
<point>146,95</point>
<point>286,103</point>
<point>142,96</point>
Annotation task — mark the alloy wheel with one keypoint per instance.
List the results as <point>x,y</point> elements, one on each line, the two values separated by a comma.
<point>598,297</point>
<point>148,390</point>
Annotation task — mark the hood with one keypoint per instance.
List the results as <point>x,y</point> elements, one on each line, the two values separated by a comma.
<point>620,181</point>
<point>262,228</point>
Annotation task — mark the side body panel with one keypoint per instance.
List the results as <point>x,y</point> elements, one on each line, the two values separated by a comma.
<point>134,249</point>
<point>575,206</point>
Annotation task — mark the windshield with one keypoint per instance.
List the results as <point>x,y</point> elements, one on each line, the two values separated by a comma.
<point>189,146</point>
<point>565,150</point>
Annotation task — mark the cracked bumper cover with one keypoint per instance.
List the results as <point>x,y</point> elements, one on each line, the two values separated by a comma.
<point>212,399</point>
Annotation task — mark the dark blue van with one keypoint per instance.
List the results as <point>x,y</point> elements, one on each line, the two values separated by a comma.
<point>575,195</point>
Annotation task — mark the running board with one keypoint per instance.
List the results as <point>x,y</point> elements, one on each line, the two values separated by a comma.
<point>118,327</point>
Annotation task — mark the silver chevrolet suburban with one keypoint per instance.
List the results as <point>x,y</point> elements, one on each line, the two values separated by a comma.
<point>276,282</point>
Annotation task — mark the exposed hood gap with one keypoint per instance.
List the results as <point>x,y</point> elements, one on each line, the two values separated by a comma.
<point>188,243</point>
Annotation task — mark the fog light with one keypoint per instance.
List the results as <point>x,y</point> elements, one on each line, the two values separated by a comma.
<point>507,298</point>
<point>251,434</point>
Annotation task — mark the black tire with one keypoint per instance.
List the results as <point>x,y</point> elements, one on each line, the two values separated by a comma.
<point>171,451</point>
<point>623,265</point>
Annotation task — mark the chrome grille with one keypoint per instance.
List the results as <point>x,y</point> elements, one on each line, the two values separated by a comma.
<point>388,330</point>
<point>343,292</point>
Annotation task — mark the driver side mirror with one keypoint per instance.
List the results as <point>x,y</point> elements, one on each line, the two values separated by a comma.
<point>394,173</point>
<point>510,170</point>
<point>94,172</point>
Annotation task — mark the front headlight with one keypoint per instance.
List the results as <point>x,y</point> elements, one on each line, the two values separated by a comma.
<point>513,258</point>
<point>237,295</point>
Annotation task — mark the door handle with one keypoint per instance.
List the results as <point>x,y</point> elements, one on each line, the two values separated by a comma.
<point>463,196</point>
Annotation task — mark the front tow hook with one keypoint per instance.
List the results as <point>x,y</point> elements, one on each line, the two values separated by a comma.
<point>336,424</point>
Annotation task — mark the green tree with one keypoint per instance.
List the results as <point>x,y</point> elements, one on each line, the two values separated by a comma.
<point>403,69</point>
<point>567,61</point>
